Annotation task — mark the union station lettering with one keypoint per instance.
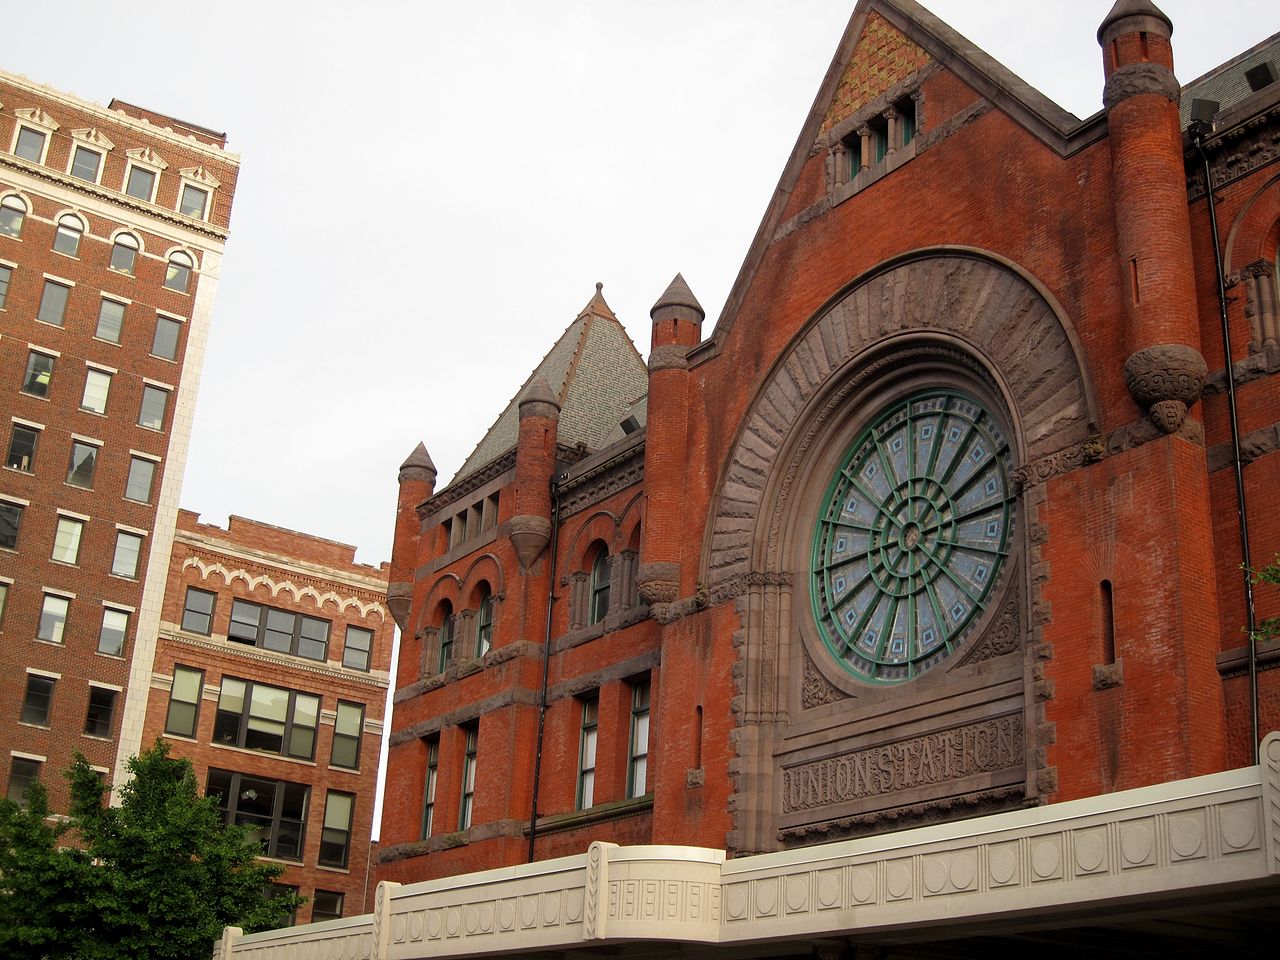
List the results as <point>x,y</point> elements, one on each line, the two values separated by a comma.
<point>920,761</point>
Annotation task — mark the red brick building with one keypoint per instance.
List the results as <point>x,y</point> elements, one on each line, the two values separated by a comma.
<point>112,227</point>
<point>271,675</point>
<point>901,611</point>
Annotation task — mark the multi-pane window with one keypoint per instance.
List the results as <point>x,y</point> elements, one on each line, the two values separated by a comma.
<point>38,700</point>
<point>53,618</point>
<point>6,274</point>
<point>22,774</point>
<point>53,302</point>
<point>85,163</point>
<point>102,707</point>
<point>197,611</point>
<point>278,630</point>
<point>67,236</point>
<point>184,702</point>
<point>38,375</point>
<point>271,719</point>
<point>84,460</point>
<point>10,521</point>
<point>599,587</point>
<point>110,320</point>
<point>177,274</point>
<point>124,253</point>
<point>165,342</point>
<point>142,474</point>
<point>638,752</point>
<point>124,562</point>
<point>141,183</point>
<point>587,753</point>
<point>66,540</point>
<point>446,639</point>
<point>356,649</point>
<point>429,786</point>
<point>326,905</point>
<point>468,777</point>
<point>346,735</point>
<point>29,145</point>
<point>97,385</point>
<point>274,810</point>
<point>335,839</point>
<point>193,201</point>
<point>151,413</point>
<point>22,448</point>
<point>484,623</point>
<point>115,624</point>
<point>13,210</point>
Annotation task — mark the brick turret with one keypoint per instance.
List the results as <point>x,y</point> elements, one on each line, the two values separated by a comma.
<point>417,483</point>
<point>1164,370</point>
<point>677,326</point>
<point>535,466</point>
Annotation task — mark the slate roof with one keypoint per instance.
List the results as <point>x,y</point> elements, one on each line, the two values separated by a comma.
<point>1226,83</point>
<point>596,373</point>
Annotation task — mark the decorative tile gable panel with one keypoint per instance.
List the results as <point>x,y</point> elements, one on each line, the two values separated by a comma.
<point>882,58</point>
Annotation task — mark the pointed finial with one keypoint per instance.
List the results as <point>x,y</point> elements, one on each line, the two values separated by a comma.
<point>678,294</point>
<point>418,466</point>
<point>538,399</point>
<point>597,306</point>
<point>1124,9</point>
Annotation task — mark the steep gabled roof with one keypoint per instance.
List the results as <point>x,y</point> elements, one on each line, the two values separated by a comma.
<point>596,374</point>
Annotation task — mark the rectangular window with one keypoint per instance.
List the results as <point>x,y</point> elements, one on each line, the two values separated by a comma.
<point>142,474</point>
<point>39,374</point>
<point>326,905</point>
<point>22,774</point>
<point>154,401</point>
<point>66,540</point>
<point>124,254</point>
<point>53,303</point>
<point>102,708</point>
<point>22,448</point>
<point>165,342</point>
<point>97,385</point>
<point>10,521</point>
<point>197,611</point>
<point>335,839</point>
<point>115,625</point>
<point>84,461</point>
<point>271,719</point>
<point>38,700</point>
<point>346,735</point>
<point>141,183</point>
<point>30,145</point>
<point>429,787</point>
<point>468,777</point>
<point>67,236</point>
<point>193,202</point>
<point>274,810</point>
<point>587,753</point>
<point>278,630</point>
<point>638,754</point>
<point>6,274</point>
<point>85,163</point>
<point>355,651</point>
<point>277,890</point>
<point>53,618</point>
<point>177,274</point>
<point>124,563</point>
<point>4,600</point>
<point>110,320</point>
<point>184,702</point>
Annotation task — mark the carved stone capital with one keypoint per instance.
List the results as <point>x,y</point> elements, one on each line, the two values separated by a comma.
<point>1165,380</point>
<point>668,356</point>
<point>1134,79</point>
<point>1090,450</point>
<point>530,536</point>
<point>658,582</point>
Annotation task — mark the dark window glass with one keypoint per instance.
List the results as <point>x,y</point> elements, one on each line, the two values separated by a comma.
<point>279,630</point>
<point>110,320</point>
<point>22,774</point>
<point>177,275</point>
<point>154,401</point>
<point>446,643</point>
<point>39,374</point>
<point>10,521</point>
<point>124,254</point>
<point>53,303</point>
<point>468,778</point>
<point>326,905</point>
<point>484,624</point>
<point>141,183</point>
<point>38,700</point>
<point>346,735</point>
<point>271,719</point>
<point>197,612</point>
<point>141,475</point>
<point>355,651</point>
<point>6,274</point>
<point>84,459</point>
<point>277,890</point>
<point>599,587</point>
<point>30,145</point>
<point>102,706</point>
<point>66,238</point>
<point>84,164</point>
<point>245,618</point>
<point>184,702</point>
<point>335,839</point>
<point>22,448</point>
<point>13,210</point>
<point>115,624</point>
<point>165,342</point>
<point>429,787</point>
<point>274,810</point>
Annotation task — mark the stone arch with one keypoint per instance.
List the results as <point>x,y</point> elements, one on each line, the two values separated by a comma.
<point>1251,258</point>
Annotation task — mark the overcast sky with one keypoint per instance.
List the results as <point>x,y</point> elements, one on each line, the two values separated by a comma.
<point>429,192</point>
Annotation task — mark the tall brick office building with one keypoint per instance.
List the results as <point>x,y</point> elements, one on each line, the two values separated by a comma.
<point>904,606</point>
<point>112,227</point>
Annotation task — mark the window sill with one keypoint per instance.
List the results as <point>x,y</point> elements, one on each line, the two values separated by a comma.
<point>76,486</point>
<point>34,726</point>
<point>50,323</point>
<point>263,753</point>
<point>182,737</point>
<point>96,413</point>
<point>342,870</point>
<point>121,576</point>
<point>874,173</point>
<point>600,813</point>
<point>110,656</point>
<point>34,396</point>
<point>100,739</point>
<point>51,643</point>
<point>69,256</point>
<point>25,473</point>
<point>114,343</point>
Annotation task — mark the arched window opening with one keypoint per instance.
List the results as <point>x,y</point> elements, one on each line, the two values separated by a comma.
<point>13,211</point>
<point>66,239</point>
<point>446,636</point>
<point>599,587</point>
<point>124,253</point>
<point>177,274</point>
<point>484,621</point>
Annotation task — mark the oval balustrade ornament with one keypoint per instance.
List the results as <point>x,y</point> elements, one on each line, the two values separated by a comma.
<point>913,534</point>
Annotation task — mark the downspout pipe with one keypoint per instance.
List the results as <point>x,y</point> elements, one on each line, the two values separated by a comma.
<point>1198,131</point>
<point>546,662</point>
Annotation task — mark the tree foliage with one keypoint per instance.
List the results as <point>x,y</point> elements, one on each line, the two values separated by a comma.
<point>156,877</point>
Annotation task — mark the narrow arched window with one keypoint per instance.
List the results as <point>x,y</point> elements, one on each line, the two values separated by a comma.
<point>484,622</point>
<point>124,253</point>
<point>599,587</point>
<point>13,210</point>
<point>66,239</point>
<point>177,275</point>
<point>446,636</point>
